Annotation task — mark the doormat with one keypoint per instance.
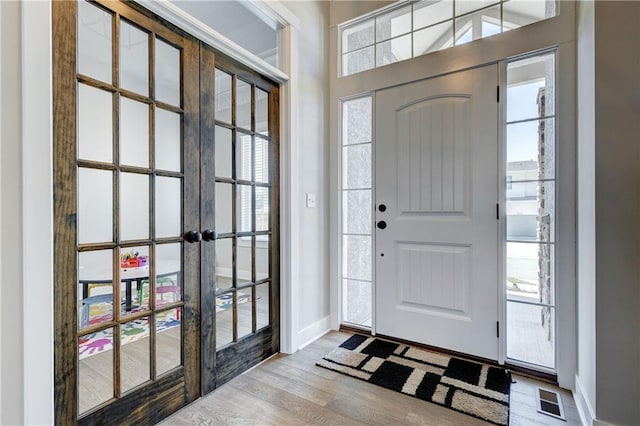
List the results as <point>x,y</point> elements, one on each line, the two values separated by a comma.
<point>472,388</point>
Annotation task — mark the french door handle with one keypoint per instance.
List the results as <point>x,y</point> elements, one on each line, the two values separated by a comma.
<point>193,236</point>
<point>208,235</point>
<point>382,224</point>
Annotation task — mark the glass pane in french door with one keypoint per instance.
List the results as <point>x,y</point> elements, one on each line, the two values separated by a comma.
<point>130,189</point>
<point>242,209</point>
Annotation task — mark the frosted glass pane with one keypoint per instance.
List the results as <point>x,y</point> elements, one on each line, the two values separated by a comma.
<point>95,206</point>
<point>531,150</point>
<point>94,42</point>
<point>262,257</point>
<point>262,306</point>
<point>480,24</point>
<point>262,112</point>
<point>244,269</point>
<point>530,272</point>
<point>262,160</point>
<point>95,124</point>
<point>357,302</point>
<point>531,334</point>
<point>224,320</point>
<point>168,140</point>
<point>356,257</point>
<point>224,263</point>
<point>168,273</point>
<point>518,13</point>
<point>134,206</point>
<point>531,211</point>
<point>134,59</point>
<point>244,205</point>
<point>134,353</point>
<point>429,12</point>
<point>360,60</point>
<point>467,6</point>
<point>433,38</point>
<point>167,73</point>
<point>95,289</point>
<point>357,36</point>
<point>397,49</point>
<point>134,133</point>
<point>393,24</point>
<point>168,207</point>
<point>224,203</point>
<point>243,104</point>
<point>223,152</point>
<point>356,212</point>
<point>262,208</point>
<point>356,163</point>
<point>223,96</point>
<point>530,88</point>
<point>244,156</point>
<point>356,121</point>
<point>168,340</point>
<point>95,369</point>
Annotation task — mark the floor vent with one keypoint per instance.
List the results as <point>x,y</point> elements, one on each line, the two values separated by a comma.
<point>550,403</point>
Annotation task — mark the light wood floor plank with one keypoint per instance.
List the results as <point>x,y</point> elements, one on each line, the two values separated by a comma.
<point>292,390</point>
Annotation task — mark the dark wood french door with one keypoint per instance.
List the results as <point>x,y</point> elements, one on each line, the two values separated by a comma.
<point>240,262</point>
<point>166,215</point>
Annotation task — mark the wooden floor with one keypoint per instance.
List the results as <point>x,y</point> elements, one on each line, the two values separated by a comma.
<point>291,390</point>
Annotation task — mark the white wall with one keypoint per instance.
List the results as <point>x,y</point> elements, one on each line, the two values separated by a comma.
<point>609,212</point>
<point>11,366</point>
<point>311,157</point>
<point>617,210</point>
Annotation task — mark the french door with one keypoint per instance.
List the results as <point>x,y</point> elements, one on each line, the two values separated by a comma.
<point>436,225</point>
<point>239,140</point>
<point>165,207</point>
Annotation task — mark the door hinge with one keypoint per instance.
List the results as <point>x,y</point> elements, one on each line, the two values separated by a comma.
<point>498,329</point>
<point>497,93</point>
<point>497,211</point>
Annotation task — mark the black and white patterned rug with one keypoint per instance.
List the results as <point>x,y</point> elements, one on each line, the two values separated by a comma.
<point>476,389</point>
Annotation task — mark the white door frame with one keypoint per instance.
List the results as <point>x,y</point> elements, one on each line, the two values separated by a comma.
<point>556,32</point>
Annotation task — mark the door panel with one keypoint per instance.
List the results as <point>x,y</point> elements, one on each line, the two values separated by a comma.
<point>239,147</point>
<point>126,284</point>
<point>436,171</point>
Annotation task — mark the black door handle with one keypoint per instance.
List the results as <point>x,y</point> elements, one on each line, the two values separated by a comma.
<point>382,224</point>
<point>193,236</point>
<point>208,235</point>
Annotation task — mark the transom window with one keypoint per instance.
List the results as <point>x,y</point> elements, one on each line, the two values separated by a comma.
<point>412,29</point>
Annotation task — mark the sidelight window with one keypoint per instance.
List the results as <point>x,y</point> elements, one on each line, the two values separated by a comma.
<point>530,194</point>
<point>356,212</point>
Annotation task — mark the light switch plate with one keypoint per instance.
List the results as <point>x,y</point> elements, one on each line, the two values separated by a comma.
<point>311,200</point>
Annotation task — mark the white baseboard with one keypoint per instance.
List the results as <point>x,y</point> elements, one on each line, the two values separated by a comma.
<point>309,334</point>
<point>587,416</point>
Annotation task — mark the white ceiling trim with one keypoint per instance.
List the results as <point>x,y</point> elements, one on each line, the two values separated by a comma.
<point>272,11</point>
<point>172,13</point>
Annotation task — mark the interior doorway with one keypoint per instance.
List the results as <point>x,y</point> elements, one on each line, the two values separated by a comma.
<point>166,217</point>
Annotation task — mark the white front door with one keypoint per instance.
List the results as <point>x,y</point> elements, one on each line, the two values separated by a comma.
<point>436,175</point>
